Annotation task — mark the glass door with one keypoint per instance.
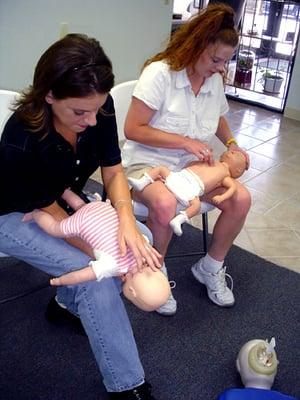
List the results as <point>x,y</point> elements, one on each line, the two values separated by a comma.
<point>261,69</point>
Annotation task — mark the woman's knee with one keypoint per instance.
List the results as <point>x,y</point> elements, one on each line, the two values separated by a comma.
<point>239,203</point>
<point>163,208</point>
<point>243,199</point>
<point>103,294</point>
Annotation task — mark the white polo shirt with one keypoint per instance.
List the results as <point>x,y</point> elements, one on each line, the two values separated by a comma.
<point>178,110</point>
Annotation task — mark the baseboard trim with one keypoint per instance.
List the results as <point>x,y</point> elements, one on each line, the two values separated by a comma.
<point>292,113</point>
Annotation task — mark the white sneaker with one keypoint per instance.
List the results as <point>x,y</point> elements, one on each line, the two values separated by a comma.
<point>216,285</point>
<point>170,307</point>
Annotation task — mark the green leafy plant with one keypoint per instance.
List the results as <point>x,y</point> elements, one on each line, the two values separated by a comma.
<point>271,73</point>
<point>245,60</point>
<point>271,80</point>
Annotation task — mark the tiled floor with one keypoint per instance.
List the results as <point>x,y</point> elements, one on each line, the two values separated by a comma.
<point>272,229</point>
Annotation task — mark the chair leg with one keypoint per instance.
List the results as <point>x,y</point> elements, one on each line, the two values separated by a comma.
<point>203,251</point>
<point>205,231</point>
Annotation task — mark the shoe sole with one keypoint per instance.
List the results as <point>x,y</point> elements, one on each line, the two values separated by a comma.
<point>195,275</point>
<point>166,314</point>
<point>213,299</point>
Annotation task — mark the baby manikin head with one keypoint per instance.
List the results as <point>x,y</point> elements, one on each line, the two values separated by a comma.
<point>257,363</point>
<point>148,289</point>
<point>236,162</point>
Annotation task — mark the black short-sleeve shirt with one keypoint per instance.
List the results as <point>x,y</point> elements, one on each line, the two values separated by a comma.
<point>35,170</point>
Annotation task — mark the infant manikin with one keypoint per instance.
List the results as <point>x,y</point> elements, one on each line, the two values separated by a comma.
<point>257,365</point>
<point>97,224</point>
<point>196,179</point>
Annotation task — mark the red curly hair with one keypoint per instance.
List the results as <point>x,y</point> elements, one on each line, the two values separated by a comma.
<point>215,23</point>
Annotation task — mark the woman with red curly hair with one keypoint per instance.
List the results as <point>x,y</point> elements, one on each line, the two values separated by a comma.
<point>177,107</point>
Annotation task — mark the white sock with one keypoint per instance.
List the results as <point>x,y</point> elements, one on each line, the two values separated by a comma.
<point>211,265</point>
<point>177,221</point>
<point>164,270</point>
<point>140,183</point>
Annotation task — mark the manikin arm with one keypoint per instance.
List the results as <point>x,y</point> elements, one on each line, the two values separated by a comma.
<point>105,266</point>
<point>231,186</point>
<point>75,277</point>
<point>54,211</point>
<point>47,222</point>
<point>72,199</point>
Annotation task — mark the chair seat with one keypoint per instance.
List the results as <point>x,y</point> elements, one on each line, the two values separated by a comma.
<point>141,211</point>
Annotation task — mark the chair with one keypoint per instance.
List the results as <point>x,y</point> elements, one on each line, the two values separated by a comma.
<point>6,99</point>
<point>121,94</point>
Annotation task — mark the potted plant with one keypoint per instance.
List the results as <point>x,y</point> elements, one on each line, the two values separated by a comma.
<point>245,60</point>
<point>271,80</point>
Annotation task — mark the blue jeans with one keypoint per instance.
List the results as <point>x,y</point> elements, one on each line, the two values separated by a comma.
<point>98,304</point>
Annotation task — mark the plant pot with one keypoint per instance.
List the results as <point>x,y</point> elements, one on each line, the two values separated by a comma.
<point>245,60</point>
<point>273,84</point>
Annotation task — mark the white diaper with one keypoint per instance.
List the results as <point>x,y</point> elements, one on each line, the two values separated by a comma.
<point>185,185</point>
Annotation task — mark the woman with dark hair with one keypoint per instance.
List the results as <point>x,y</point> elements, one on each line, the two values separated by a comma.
<point>62,130</point>
<point>178,106</point>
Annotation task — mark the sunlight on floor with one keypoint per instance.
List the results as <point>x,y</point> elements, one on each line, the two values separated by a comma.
<point>272,229</point>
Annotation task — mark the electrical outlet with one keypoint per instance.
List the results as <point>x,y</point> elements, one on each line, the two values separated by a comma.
<point>64,29</point>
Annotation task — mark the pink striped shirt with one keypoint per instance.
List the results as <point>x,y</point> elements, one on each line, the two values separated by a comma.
<point>97,224</point>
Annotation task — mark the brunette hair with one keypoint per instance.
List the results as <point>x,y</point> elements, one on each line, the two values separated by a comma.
<point>214,23</point>
<point>74,66</point>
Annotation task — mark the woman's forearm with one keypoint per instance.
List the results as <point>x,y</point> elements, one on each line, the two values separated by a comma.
<point>150,136</point>
<point>223,131</point>
<point>137,128</point>
<point>117,189</point>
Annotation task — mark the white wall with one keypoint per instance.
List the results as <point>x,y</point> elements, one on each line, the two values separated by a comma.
<point>180,6</point>
<point>129,30</point>
<point>292,108</point>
